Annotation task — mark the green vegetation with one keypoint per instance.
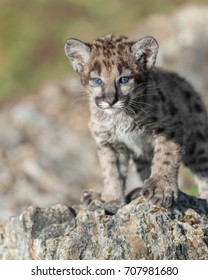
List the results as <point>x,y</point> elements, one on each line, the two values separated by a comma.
<point>33,34</point>
<point>193,190</point>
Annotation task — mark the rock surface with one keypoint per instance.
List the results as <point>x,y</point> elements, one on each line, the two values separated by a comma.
<point>137,231</point>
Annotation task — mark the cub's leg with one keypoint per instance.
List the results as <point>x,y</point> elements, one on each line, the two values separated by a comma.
<point>114,165</point>
<point>161,187</point>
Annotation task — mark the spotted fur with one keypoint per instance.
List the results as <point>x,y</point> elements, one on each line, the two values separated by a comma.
<point>156,117</point>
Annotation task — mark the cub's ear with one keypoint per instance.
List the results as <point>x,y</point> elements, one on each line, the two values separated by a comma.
<point>145,51</point>
<point>78,53</point>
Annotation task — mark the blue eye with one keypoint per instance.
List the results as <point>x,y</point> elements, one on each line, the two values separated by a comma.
<point>97,81</point>
<point>124,80</point>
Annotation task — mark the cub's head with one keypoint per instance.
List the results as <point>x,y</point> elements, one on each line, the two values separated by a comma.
<point>112,68</point>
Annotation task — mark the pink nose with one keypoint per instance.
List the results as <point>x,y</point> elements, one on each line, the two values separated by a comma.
<point>111,100</point>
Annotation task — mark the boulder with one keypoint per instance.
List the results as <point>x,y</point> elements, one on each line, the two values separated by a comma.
<point>138,230</point>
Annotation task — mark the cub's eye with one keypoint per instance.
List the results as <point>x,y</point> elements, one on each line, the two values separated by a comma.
<point>97,81</point>
<point>124,80</point>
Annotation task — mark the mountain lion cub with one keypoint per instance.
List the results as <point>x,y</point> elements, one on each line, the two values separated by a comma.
<point>138,111</point>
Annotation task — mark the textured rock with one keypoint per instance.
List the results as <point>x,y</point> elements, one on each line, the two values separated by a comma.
<point>8,245</point>
<point>137,231</point>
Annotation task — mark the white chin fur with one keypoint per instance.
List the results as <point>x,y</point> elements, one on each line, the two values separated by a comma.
<point>112,111</point>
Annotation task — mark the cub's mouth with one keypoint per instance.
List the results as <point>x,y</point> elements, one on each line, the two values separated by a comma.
<point>112,106</point>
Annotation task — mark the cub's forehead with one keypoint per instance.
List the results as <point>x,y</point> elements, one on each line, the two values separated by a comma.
<point>111,45</point>
<point>110,51</point>
<point>111,38</point>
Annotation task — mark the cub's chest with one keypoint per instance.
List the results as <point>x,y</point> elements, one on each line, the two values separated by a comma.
<point>126,132</point>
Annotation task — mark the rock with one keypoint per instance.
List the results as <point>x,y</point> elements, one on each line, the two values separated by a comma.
<point>8,245</point>
<point>138,230</point>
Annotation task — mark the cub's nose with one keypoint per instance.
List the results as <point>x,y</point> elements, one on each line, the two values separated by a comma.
<point>111,100</point>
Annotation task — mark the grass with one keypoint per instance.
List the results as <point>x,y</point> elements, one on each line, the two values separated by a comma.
<point>33,34</point>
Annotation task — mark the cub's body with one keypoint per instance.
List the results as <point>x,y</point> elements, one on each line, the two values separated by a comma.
<point>139,111</point>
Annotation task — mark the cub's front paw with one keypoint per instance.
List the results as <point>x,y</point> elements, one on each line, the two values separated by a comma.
<point>159,191</point>
<point>90,195</point>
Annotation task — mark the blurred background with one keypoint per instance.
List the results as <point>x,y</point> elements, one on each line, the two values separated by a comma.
<point>47,155</point>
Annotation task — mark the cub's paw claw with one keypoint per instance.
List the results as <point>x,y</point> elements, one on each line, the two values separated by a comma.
<point>133,195</point>
<point>90,195</point>
<point>159,192</point>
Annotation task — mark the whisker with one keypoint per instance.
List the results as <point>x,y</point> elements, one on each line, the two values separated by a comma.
<point>147,87</point>
<point>135,102</point>
<point>144,95</point>
<point>79,101</point>
<point>80,98</point>
<point>129,110</point>
<point>136,107</point>
<point>81,94</point>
